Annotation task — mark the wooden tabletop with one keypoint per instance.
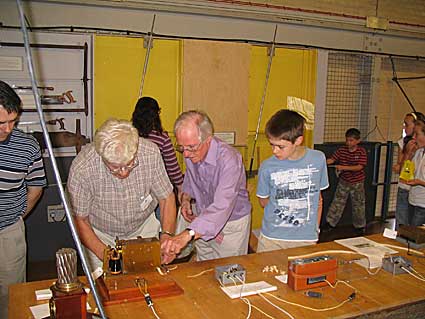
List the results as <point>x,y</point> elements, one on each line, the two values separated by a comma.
<point>203,297</point>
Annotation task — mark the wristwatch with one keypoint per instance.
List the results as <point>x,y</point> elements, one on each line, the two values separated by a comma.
<point>191,233</point>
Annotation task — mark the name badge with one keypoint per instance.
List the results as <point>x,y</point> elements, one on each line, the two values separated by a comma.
<point>145,202</point>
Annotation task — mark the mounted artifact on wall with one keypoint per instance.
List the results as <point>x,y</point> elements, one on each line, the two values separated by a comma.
<point>64,98</point>
<point>64,138</point>
<point>63,88</point>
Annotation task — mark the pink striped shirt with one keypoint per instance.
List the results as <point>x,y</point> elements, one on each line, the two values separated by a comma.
<point>163,141</point>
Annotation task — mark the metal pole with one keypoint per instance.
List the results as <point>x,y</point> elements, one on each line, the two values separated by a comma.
<point>387,180</point>
<point>54,164</point>
<point>262,100</point>
<point>145,66</point>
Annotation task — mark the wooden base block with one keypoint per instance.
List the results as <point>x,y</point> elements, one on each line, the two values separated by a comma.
<point>122,288</point>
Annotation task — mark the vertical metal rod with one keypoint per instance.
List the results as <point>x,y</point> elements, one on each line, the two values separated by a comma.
<point>376,155</point>
<point>53,161</point>
<point>387,180</point>
<point>395,79</point>
<point>85,80</point>
<point>361,93</point>
<point>145,66</point>
<point>263,98</point>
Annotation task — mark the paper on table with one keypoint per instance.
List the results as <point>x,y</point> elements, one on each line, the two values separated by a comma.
<point>373,250</point>
<point>43,311</point>
<point>45,294</point>
<point>40,311</point>
<point>389,233</point>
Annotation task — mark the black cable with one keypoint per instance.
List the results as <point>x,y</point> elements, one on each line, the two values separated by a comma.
<point>395,79</point>
<point>250,41</point>
<point>376,127</point>
<point>27,22</point>
<point>412,78</point>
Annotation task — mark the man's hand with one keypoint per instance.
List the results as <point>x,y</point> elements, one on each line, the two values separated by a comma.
<point>171,246</point>
<point>186,210</point>
<point>166,257</point>
<point>88,236</point>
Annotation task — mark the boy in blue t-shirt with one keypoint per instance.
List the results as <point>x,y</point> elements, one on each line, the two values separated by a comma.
<point>289,185</point>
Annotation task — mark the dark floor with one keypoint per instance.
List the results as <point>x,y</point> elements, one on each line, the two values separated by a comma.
<point>47,269</point>
<point>348,231</point>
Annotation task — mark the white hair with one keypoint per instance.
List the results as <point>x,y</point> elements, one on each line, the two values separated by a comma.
<point>200,119</point>
<point>116,141</point>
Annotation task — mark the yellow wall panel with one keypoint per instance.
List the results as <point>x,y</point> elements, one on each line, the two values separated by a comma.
<point>118,67</point>
<point>293,73</point>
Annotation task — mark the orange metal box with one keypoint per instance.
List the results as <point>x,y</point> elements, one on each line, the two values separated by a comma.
<point>306,273</point>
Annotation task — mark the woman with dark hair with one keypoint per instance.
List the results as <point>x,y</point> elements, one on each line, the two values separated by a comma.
<point>147,121</point>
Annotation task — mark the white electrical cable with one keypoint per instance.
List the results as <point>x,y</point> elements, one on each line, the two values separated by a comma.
<point>154,312</point>
<point>246,300</point>
<point>200,274</point>
<point>309,308</point>
<point>277,307</point>
<point>417,273</point>
<point>412,274</point>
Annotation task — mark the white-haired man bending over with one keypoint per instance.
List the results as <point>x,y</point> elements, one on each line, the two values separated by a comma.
<point>115,184</point>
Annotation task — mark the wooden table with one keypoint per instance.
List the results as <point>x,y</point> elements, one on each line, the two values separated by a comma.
<point>379,296</point>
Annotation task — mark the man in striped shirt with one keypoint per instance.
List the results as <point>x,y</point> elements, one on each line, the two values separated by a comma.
<point>22,180</point>
<point>351,160</point>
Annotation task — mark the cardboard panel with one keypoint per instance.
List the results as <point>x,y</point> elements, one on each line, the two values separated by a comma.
<point>216,80</point>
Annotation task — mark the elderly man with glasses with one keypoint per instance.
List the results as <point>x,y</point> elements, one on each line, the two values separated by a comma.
<point>215,178</point>
<point>115,184</point>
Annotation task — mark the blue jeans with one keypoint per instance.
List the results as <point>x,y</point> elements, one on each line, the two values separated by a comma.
<point>402,208</point>
<point>418,215</point>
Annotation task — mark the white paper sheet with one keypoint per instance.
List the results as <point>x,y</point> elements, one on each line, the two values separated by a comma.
<point>373,250</point>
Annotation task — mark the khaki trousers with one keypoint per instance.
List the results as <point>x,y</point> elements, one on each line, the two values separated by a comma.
<point>13,252</point>
<point>268,244</point>
<point>234,243</point>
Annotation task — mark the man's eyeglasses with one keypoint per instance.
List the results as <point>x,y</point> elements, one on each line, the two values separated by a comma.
<point>189,148</point>
<point>124,168</point>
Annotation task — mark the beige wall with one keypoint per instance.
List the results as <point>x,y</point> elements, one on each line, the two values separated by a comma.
<point>328,24</point>
<point>392,105</point>
<point>406,11</point>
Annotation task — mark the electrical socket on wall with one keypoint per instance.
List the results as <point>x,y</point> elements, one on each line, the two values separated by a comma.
<point>55,213</point>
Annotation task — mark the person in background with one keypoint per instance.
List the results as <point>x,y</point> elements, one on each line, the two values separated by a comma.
<point>215,177</point>
<point>416,211</point>
<point>289,186</point>
<point>350,160</point>
<point>22,179</point>
<point>114,185</point>
<point>148,122</point>
<point>402,206</point>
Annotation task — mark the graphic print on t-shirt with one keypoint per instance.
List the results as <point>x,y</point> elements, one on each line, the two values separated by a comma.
<point>293,192</point>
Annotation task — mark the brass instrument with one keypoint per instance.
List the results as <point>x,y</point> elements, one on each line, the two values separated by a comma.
<point>132,256</point>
